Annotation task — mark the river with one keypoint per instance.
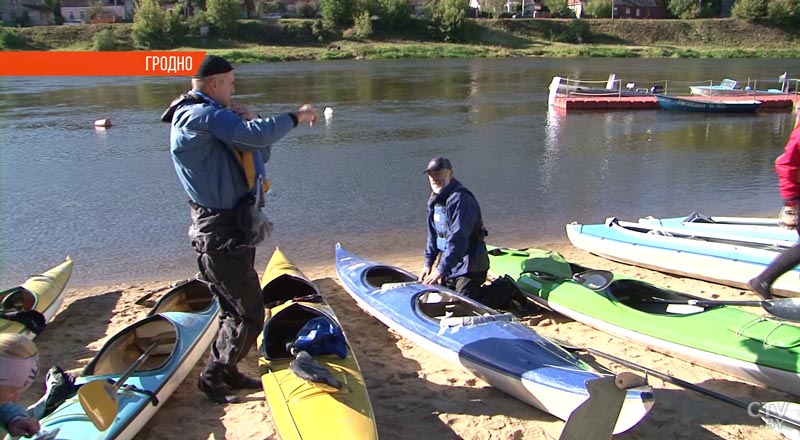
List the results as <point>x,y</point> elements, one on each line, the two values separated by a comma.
<point>111,200</point>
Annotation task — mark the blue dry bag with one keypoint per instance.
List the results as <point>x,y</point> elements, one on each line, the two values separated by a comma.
<point>321,336</point>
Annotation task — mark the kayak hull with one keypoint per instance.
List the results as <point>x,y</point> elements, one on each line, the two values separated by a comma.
<point>183,327</point>
<point>300,408</point>
<point>493,346</point>
<point>43,293</point>
<point>745,227</point>
<point>731,261</point>
<point>742,344</point>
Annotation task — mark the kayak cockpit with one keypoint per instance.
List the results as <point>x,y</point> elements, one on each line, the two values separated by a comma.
<point>125,347</point>
<point>17,299</point>
<point>648,298</point>
<point>191,296</point>
<point>451,309</point>
<point>283,328</point>
<point>380,275</point>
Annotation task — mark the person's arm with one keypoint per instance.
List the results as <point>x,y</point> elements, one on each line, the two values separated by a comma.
<point>462,214</point>
<point>431,251</point>
<point>12,417</point>
<point>252,135</point>
<point>787,166</point>
<point>244,130</point>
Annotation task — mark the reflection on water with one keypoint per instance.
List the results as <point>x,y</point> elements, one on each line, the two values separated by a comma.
<point>111,199</point>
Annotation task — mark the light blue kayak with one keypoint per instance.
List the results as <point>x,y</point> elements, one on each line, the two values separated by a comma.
<point>745,227</point>
<point>712,256</point>
<point>182,325</point>
<point>494,346</point>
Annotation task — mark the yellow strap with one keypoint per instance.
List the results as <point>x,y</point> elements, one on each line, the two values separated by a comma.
<point>248,165</point>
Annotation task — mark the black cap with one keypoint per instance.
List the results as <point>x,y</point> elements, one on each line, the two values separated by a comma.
<point>439,163</point>
<point>212,65</point>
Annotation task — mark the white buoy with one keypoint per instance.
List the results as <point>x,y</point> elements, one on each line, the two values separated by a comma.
<point>103,123</point>
<point>328,112</point>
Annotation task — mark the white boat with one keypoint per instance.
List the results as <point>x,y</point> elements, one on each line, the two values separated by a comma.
<point>752,227</point>
<point>717,257</point>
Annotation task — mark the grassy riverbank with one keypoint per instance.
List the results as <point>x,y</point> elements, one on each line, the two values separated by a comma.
<point>258,41</point>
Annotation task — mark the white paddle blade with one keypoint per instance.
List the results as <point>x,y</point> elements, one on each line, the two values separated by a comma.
<point>99,399</point>
<point>783,417</point>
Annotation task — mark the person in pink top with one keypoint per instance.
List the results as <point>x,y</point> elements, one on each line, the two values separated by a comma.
<point>787,166</point>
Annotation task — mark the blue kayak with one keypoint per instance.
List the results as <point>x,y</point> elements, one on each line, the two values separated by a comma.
<point>494,346</point>
<point>181,326</point>
<point>712,256</point>
<point>743,227</point>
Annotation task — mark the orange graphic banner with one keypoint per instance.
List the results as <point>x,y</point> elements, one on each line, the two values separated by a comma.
<point>100,63</point>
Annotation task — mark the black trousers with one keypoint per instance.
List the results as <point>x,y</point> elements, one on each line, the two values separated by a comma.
<point>783,263</point>
<point>235,284</point>
<point>468,284</point>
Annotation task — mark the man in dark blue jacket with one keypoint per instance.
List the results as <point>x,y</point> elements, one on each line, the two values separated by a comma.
<point>219,150</point>
<point>455,234</point>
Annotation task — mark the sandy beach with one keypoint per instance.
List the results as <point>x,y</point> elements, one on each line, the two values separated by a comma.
<point>415,395</point>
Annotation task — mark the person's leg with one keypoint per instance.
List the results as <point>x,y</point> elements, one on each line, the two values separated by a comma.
<point>469,284</point>
<point>780,265</point>
<point>235,284</point>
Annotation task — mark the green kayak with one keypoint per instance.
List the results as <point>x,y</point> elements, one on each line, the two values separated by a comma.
<point>723,338</point>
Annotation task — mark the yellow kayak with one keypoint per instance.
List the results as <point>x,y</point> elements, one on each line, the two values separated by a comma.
<point>43,293</point>
<point>308,408</point>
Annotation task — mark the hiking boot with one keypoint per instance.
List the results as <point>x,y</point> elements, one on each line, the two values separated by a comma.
<point>217,393</point>
<point>760,287</point>
<point>239,381</point>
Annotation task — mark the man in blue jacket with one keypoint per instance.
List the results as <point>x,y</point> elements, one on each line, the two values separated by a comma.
<point>219,149</point>
<point>455,234</point>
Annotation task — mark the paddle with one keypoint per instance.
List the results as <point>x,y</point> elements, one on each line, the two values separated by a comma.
<point>784,308</point>
<point>779,415</point>
<point>99,398</point>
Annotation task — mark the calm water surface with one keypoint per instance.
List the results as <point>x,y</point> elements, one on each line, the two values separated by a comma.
<point>110,199</point>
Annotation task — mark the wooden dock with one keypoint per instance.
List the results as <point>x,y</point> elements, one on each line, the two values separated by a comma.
<point>769,102</point>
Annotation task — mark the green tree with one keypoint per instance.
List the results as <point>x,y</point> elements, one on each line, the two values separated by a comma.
<point>597,9</point>
<point>749,10</point>
<point>784,11</point>
<point>449,17</point>
<point>148,23</point>
<point>104,40</point>
<point>222,14</point>
<point>394,13</point>
<point>362,26</point>
<point>558,8</point>
<point>337,13</point>
<point>684,9</point>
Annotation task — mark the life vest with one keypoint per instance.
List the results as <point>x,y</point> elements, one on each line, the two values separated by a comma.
<point>254,173</point>
<point>440,226</point>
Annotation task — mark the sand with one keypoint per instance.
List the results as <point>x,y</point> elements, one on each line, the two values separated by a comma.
<point>416,395</point>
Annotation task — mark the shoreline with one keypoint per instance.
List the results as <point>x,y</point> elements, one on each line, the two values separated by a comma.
<point>413,392</point>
